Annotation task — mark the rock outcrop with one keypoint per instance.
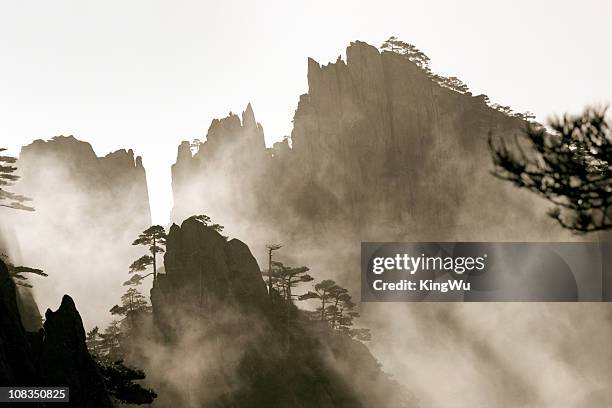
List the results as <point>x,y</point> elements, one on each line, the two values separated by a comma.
<point>88,209</point>
<point>390,149</point>
<point>66,172</point>
<point>55,356</point>
<point>28,309</point>
<point>228,345</point>
<point>205,273</point>
<point>64,358</point>
<point>233,156</point>
<point>16,358</point>
<point>379,151</point>
<point>26,304</point>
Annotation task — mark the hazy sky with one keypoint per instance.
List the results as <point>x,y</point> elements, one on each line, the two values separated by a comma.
<point>148,74</point>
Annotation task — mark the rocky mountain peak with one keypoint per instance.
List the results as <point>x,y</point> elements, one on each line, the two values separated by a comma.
<point>64,358</point>
<point>233,132</point>
<point>81,200</point>
<point>248,117</point>
<point>206,272</point>
<point>213,299</point>
<point>55,356</point>
<point>124,158</point>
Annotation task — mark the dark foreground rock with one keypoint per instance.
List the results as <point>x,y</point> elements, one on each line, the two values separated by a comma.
<point>55,356</point>
<point>28,309</point>
<point>226,344</point>
<point>16,358</point>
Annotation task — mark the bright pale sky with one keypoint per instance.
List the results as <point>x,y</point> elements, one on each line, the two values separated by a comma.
<point>146,74</point>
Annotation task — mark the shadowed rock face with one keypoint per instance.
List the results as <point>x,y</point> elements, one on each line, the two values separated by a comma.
<point>233,156</point>
<point>64,358</point>
<point>56,356</point>
<point>16,364</point>
<point>378,149</point>
<point>28,309</point>
<point>379,152</point>
<point>228,345</point>
<point>205,272</point>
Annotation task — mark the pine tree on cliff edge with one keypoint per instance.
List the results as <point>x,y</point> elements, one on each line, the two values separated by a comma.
<point>153,237</point>
<point>284,278</point>
<point>337,308</point>
<point>17,272</point>
<point>133,303</point>
<point>411,52</point>
<point>7,179</point>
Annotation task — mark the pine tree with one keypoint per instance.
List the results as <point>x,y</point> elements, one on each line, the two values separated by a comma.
<point>94,342</point>
<point>285,278</point>
<point>570,166</point>
<point>110,342</point>
<point>453,83</point>
<point>337,308</point>
<point>119,381</point>
<point>133,303</point>
<point>7,179</point>
<point>154,238</point>
<point>411,52</point>
<point>207,221</point>
<point>323,293</point>
<point>118,377</point>
<point>17,272</point>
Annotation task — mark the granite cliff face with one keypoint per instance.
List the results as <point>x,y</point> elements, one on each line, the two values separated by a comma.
<point>205,273</point>
<point>68,171</point>
<point>88,210</point>
<point>224,343</point>
<point>379,151</point>
<point>54,356</point>
<point>233,156</point>
<point>389,147</point>
<point>378,148</point>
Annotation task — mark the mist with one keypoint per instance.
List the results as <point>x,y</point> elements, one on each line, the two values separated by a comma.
<point>334,189</point>
<point>88,210</point>
<point>378,153</point>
